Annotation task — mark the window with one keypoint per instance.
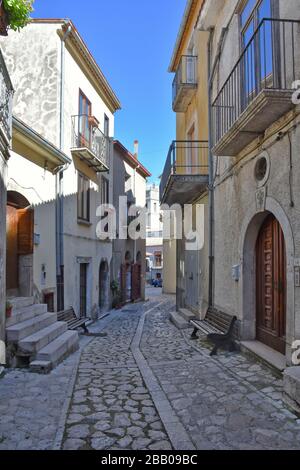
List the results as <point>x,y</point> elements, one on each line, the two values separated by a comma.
<point>104,195</point>
<point>85,110</point>
<point>258,59</point>
<point>155,207</point>
<point>158,259</point>
<point>83,198</point>
<point>106,126</point>
<point>104,190</point>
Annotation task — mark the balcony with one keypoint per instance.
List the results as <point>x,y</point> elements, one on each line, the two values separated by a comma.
<point>6,98</point>
<point>260,87</point>
<point>185,83</point>
<point>89,144</point>
<point>185,175</point>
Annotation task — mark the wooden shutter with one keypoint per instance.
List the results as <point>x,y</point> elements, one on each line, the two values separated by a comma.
<point>25,231</point>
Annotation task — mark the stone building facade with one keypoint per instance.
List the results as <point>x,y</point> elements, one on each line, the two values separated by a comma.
<point>250,266</point>
<point>6,94</point>
<point>154,241</point>
<point>62,95</point>
<point>129,256</point>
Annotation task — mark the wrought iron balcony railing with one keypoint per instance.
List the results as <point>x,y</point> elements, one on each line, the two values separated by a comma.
<point>185,159</point>
<point>6,98</point>
<point>185,82</point>
<point>88,139</point>
<point>270,61</point>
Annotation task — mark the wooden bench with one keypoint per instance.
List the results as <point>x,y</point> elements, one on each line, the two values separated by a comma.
<point>69,316</point>
<point>219,328</point>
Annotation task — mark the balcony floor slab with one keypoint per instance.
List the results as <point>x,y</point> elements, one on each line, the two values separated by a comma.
<point>264,110</point>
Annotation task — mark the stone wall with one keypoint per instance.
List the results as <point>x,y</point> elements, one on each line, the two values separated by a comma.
<point>2,245</point>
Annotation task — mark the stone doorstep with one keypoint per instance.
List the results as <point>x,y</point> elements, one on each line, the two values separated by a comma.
<point>265,354</point>
<point>291,387</point>
<point>179,321</point>
<point>41,367</point>
<point>187,314</point>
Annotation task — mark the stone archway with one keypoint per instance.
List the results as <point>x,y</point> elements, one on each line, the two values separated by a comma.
<point>249,234</point>
<point>103,286</point>
<point>19,245</point>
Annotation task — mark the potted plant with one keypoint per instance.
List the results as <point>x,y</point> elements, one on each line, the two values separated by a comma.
<point>14,14</point>
<point>93,121</point>
<point>8,309</point>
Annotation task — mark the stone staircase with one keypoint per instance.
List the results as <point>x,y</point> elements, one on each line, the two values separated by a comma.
<point>182,318</point>
<point>35,338</point>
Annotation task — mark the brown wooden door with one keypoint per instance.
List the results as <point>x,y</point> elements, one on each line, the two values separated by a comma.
<point>83,290</point>
<point>11,248</point>
<point>136,282</point>
<point>271,285</point>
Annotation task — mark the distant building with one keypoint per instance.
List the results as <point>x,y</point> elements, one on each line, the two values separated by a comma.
<point>154,242</point>
<point>128,264</point>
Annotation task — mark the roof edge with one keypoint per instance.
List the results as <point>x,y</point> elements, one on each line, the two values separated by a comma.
<point>132,160</point>
<point>183,26</point>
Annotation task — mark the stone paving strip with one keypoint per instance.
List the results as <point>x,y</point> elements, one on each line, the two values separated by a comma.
<point>230,402</point>
<point>111,407</point>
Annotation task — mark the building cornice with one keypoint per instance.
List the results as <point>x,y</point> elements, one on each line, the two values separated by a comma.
<point>190,9</point>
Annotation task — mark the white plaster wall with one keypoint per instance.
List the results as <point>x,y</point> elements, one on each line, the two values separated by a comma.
<point>38,187</point>
<point>34,61</point>
<point>32,57</point>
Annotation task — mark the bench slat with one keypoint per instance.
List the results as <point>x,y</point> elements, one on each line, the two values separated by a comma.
<point>71,319</point>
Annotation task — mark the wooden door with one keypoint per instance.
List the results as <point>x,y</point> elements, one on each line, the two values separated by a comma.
<point>83,290</point>
<point>11,248</point>
<point>271,285</point>
<point>136,281</point>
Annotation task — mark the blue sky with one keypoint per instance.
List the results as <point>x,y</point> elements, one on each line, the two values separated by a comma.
<point>132,41</point>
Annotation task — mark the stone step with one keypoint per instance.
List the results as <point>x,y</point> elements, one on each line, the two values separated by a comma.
<point>41,367</point>
<point>21,302</point>
<point>56,351</point>
<point>187,314</point>
<point>27,328</point>
<point>34,343</point>
<point>26,313</point>
<point>179,321</point>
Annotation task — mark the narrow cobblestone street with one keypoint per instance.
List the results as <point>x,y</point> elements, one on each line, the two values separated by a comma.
<point>146,386</point>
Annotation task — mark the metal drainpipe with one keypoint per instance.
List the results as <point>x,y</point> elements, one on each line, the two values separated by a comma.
<point>59,176</point>
<point>211,181</point>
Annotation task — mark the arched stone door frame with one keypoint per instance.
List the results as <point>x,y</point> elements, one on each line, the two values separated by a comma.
<point>19,244</point>
<point>247,249</point>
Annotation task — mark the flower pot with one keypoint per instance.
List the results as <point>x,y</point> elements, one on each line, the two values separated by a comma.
<point>93,122</point>
<point>4,20</point>
<point>8,312</point>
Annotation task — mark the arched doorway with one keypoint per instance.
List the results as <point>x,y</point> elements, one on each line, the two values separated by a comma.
<point>103,286</point>
<point>19,245</point>
<point>137,277</point>
<point>271,285</point>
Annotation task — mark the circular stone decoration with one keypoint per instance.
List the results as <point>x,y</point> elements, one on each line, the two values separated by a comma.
<point>262,169</point>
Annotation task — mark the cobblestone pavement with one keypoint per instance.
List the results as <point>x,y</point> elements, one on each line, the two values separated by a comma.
<point>141,385</point>
<point>111,407</point>
<point>231,402</point>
